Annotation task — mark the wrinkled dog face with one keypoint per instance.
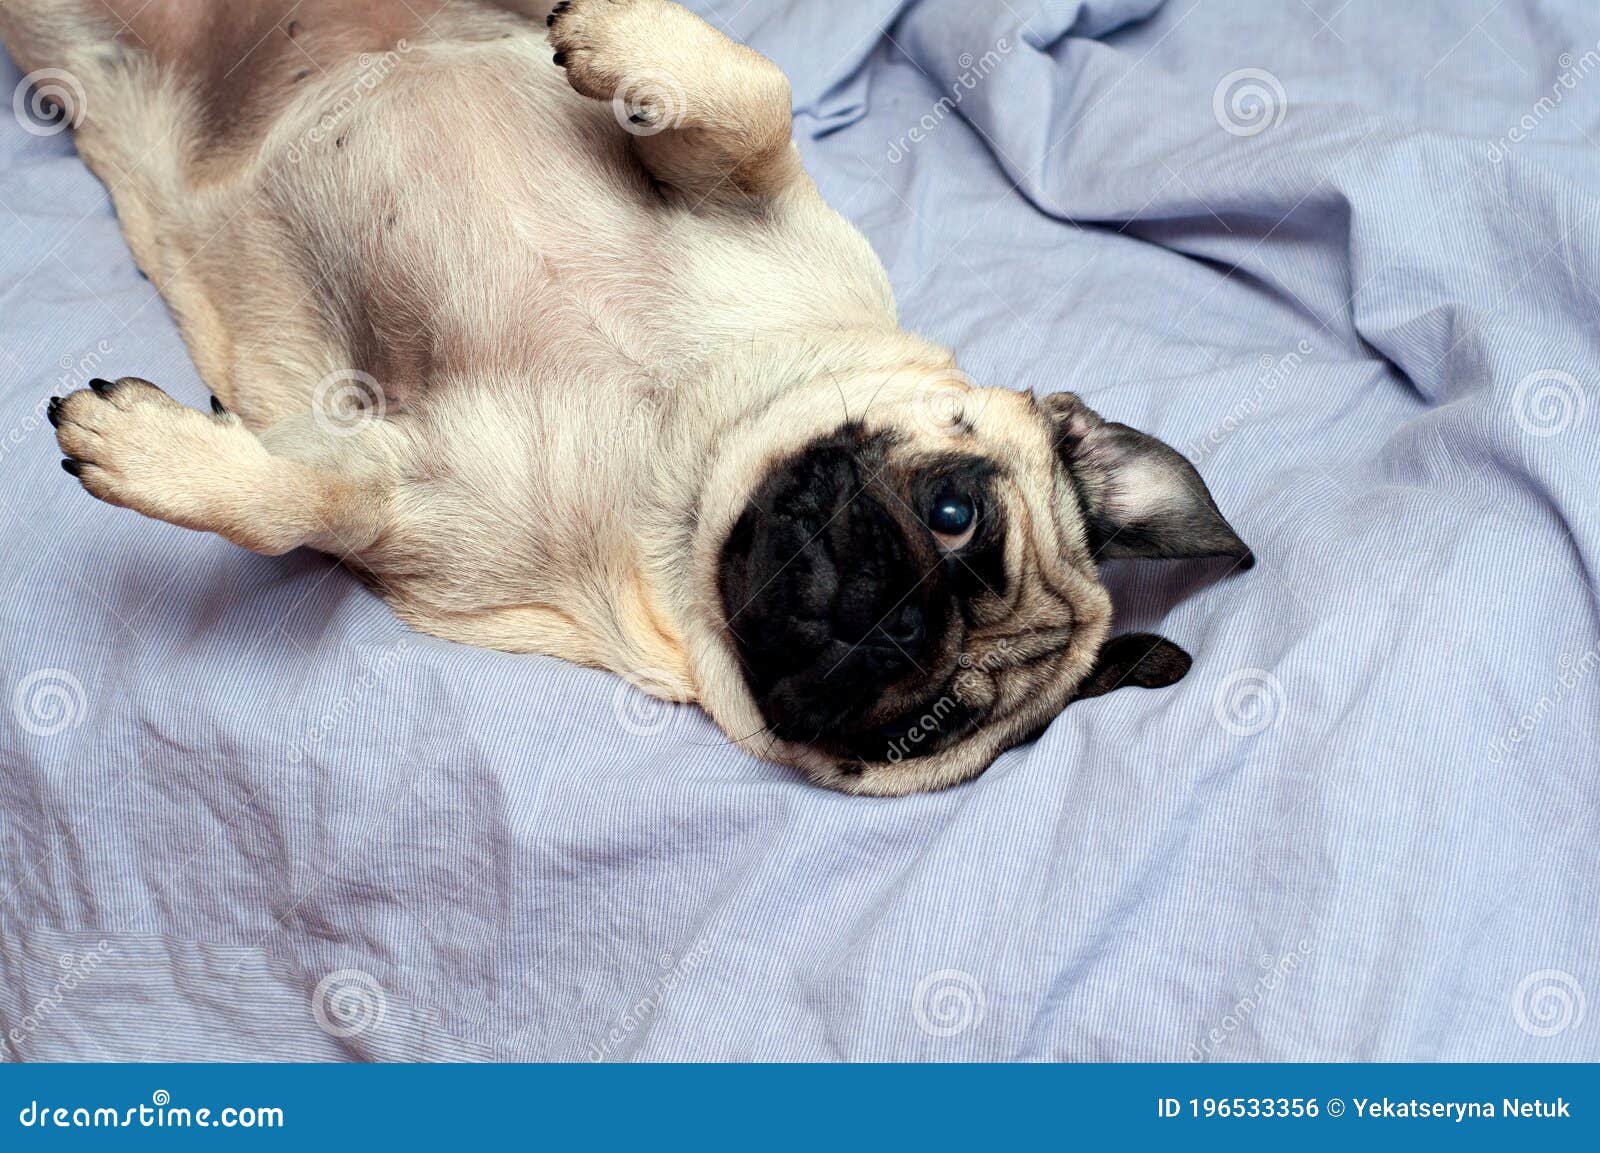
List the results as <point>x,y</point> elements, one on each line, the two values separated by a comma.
<point>906,599</point>
<point>858,584</point>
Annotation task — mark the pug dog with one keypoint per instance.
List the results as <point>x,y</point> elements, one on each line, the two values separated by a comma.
<point>533,318</point>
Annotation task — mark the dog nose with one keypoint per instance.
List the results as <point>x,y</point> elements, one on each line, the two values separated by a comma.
<point>904,628</point>
<point>828,599</point>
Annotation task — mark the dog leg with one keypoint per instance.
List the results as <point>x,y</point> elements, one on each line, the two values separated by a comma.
<point>132,445</point>
<point>709,116</point>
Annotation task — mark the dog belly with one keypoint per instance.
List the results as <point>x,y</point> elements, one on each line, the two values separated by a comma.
<point>414,214</point>
<point>465,216</point>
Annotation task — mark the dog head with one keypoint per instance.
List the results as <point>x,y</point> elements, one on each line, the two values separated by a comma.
<point>900,575</point>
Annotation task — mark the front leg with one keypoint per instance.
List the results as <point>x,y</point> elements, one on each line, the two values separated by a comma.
<point>710,116</point>
<point>132,445</point>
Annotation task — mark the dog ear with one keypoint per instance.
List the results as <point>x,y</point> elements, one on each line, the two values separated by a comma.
<point>1140,497</point>
<point>1140,660</point>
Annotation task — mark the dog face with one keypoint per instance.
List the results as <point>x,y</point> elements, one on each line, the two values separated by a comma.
<point>906,593</point>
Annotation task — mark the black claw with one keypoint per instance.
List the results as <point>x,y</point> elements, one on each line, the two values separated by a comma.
<point>559,58</point>
<point>103,387</point>
<point>53,412</point>
<point>217,407</point>
<point>75,467</point>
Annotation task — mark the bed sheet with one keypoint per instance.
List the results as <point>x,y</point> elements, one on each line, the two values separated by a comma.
<point>1343,255</point>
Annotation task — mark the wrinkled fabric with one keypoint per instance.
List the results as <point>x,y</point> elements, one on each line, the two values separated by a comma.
<point>1345,257</point>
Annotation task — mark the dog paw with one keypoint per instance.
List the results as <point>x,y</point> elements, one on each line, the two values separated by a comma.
<point>132,445</point>
<point>635,53</point>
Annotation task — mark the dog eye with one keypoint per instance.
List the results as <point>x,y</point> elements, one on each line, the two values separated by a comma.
<point>953,518</point>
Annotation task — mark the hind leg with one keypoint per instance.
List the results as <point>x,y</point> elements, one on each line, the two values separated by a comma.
<point>709,116</point>
<point>132,445</point>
